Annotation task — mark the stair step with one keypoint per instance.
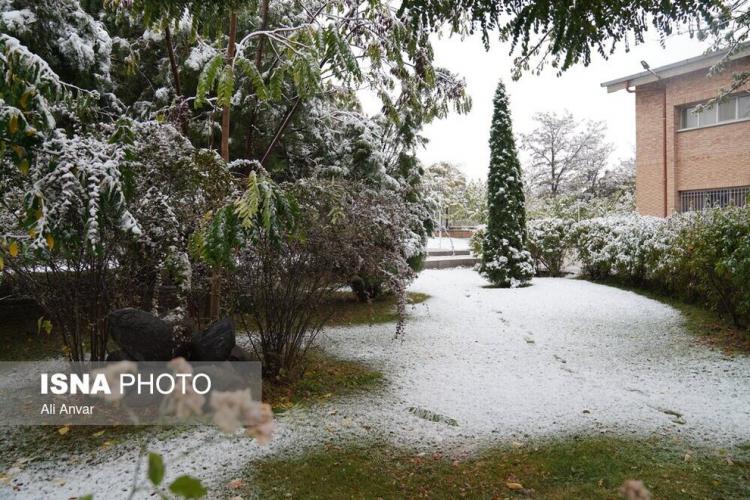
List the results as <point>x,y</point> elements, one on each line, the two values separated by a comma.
<point>445,262</point>
<point>440,253</point>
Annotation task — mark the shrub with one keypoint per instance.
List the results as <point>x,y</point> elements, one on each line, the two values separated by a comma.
<point>548,243</point>
<point>101,221</point>
<point>282,282</point>
<point>477,240</point>
<point>618,245</point>
<point>716,261</point>
<point>700,257</point>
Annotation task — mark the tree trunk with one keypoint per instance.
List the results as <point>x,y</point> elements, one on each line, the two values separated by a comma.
<point>225,112</point>
<point>215,296</point>
<point>173,62</point>
<point>180,105</point>
<point>258,62</point>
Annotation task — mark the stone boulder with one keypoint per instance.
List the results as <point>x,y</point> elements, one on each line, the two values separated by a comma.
<point>215,343</point>
<point>240,354</point>
<point>142,336</point>
<point>118,356</point>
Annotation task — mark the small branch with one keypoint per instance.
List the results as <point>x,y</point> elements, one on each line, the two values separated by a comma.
<point>172,61</point>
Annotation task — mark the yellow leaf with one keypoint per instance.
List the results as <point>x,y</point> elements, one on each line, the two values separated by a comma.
<point>97,434</point>
<point>13,249</point>
<point>13,124</point>
<point>235,484</point>
<point>514,486</point>
<point>23,166</point>
<point>50,241</point>
<point>23,102</point>
<point>63,430</point>
<point>2,263</point>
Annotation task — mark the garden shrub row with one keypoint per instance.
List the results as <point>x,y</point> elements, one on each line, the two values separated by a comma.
<point>697,257</point>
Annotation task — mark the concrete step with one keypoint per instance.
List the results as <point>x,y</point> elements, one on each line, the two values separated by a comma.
<point>446,262</point>
<point>442,252</point>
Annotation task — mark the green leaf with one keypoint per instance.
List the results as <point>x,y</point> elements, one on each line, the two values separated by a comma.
<point>246,207</point>
<point>225,87</point>
<point>207,79</point>
<point>188,487</point>
<point>277,81</point>
<point>155,468</point>
<point>252,73</point>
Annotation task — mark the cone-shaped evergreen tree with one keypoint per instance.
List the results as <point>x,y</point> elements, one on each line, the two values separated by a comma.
<point>505,260</point>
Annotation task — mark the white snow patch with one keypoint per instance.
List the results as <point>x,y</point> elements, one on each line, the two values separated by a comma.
<point>506,364</point>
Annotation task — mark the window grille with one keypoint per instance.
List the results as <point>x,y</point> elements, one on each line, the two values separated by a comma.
<point>703,199</point>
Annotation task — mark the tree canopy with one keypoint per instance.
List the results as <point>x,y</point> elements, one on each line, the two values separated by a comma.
<point>560,33</point>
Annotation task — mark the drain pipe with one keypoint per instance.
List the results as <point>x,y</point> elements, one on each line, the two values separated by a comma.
<point>664,142</point>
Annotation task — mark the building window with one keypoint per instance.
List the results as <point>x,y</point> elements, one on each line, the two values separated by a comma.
<point>731,109</point>
<point>691,201</point>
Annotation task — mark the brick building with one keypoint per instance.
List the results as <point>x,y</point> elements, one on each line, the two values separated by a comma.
<point>686,158</point>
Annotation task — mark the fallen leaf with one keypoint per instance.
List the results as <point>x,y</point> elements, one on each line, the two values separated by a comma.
<point>97,434</point>
<point>514,486</point>
<point>63,430</point>
<point>235,484</point>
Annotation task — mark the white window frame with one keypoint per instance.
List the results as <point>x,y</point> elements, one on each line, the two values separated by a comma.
<point>715,110</point>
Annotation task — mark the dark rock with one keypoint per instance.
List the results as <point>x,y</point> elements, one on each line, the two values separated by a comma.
<point>240,354</point>
<point>215,343</point>
<point>117,356</point>
<point>142,336</point>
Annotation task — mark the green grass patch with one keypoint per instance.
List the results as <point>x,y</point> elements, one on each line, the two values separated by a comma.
<point>347,310</point>
<point>707,325</point>
<point>21,338</point>
<point>587,468</point>
<point>325,377</point>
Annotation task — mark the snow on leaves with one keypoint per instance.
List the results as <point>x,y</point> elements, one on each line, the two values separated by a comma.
<point>76,179</point>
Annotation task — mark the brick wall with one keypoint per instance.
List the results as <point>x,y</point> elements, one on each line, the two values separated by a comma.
<point>703,158</point>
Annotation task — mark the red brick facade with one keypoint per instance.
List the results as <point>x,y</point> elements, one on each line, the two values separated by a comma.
<point>703,158</point>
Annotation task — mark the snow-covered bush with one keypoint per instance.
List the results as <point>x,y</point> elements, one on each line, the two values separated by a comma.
<point>477,239</point>
<point>101,220</point>
<point>620,245</point>
<point>282,284</point>
<point>699,257</point>
<point>69,219</point>
<point>548,243</point>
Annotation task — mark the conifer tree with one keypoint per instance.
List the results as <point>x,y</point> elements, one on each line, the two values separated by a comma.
<point>505,260</point>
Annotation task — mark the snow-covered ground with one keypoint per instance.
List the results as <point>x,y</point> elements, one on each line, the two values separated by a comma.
<point>562,356</point>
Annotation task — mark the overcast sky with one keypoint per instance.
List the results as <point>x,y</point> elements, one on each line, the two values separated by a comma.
<point>462,139</point>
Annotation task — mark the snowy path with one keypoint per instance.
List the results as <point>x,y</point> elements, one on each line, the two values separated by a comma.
<point>562,356</point>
